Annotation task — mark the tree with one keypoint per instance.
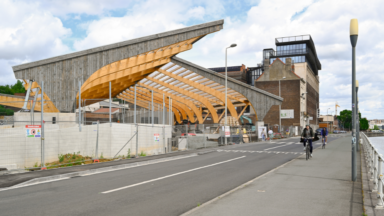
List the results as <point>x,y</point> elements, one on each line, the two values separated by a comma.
<point>375,127</point>
<point>345,118</point>
<point>18,87</point>
<point>11,90</point>
<point>364,124</point>
<point>5,112</point>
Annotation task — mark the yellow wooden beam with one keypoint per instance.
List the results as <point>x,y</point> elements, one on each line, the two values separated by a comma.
<point>191,95</point>
<point>188,103</point>
<point>148,98</point>
<point>185,111</point>
<point>203,88</point>
<point>241,113</point>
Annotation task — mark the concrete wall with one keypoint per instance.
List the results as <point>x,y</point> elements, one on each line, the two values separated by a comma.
<point>61,74</point>
<point>16,148</point>
<point>63,119</point>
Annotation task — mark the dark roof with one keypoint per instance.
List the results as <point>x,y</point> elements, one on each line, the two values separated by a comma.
<point>222,69</point>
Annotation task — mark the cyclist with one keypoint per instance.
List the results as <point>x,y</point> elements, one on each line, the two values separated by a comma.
<point>324,134</point>
<point>307,135</point>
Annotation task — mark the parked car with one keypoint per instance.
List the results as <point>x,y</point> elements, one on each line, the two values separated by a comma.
<point>318,131</point>
<point>336,131</point>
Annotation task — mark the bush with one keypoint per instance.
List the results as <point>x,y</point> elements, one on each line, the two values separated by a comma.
<point>61,157</point>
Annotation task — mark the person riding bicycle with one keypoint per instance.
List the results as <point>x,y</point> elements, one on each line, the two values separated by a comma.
<point>307,135</point>
<point>324,135</point>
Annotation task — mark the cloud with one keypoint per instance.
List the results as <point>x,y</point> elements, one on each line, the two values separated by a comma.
<point>34,30</point>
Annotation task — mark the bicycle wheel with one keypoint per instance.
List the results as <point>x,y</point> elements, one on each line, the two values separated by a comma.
<point>307,151</point>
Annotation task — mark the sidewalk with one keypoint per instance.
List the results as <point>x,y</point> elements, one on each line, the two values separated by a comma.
<point>320,186</point>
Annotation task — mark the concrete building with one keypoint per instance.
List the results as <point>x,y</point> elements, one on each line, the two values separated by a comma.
<point>235,72</point>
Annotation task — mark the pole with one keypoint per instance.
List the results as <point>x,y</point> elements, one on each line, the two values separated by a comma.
<point>79,105</point>
<point>153,118</point>
<point>137,140</point>
<point>163,109</point>
<point>225,109</point>
<point>353,38</point>
<point>97,143</point>
<point>169,111</point>
<point>134,108</point>
<point>279,110</point>
<point>42,127</point>
<point>110,104</point>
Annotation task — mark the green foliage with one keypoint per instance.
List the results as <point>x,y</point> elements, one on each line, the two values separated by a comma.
<point>364,124</point>
<point>143,154</point>
<point>101,156</point>
<point>5,111</point>
<point>61,158</point>
<point>375,127</point>
<point>345,118</point>
<point>129,153</point>
<point>74,155</point>
<point>11,90</point>
<point>36,165</point>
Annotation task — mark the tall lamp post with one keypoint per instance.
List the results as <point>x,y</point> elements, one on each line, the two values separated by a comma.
<point>327,111</point>
<point>353,32</point>
<point>280,106</point>
<point>357,118</point>
<point>226,78</point>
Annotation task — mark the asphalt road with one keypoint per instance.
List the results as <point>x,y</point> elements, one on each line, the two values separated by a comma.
<point>168,188</point>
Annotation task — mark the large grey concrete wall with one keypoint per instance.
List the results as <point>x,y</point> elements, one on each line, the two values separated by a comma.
<point>261,100</point>
<point>62,73</point>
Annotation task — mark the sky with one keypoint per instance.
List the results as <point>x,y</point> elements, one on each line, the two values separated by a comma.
<point>35,30</point>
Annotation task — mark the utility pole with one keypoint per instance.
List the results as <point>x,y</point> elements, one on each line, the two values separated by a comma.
<point>226,99</point>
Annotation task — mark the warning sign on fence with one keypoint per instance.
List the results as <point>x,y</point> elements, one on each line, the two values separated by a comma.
<point>157,137</point>
<point>33,130</point>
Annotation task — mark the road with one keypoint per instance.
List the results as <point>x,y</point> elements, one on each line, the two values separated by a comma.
<point>168,188</point>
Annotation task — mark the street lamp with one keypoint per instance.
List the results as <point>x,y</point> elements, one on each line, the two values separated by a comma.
<point>353,32</point>
<point>226,78</point>
<point>280,106</point>
<point>327,111</point>
<point>357,117</point>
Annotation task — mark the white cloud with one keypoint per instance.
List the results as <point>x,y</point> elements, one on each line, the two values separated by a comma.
<point>34,30</point>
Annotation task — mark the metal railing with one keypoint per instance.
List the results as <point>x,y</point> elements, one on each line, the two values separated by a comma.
<point>374,162</point>
<point>293,38</point>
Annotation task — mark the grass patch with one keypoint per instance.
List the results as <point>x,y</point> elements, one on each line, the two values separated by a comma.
<point>143,154</point>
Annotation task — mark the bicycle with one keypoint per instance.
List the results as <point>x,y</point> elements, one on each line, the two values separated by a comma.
<point>323,146</point>
<point>307,149</point>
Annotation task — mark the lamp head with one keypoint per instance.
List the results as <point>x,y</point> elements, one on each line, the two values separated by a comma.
<point>233,45</point>
<point>354,27</point>
<point>283,77</point>
<point>357,83</point>
<point>354,32</point>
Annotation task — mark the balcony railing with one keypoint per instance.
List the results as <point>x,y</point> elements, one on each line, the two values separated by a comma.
<point>293,38</point>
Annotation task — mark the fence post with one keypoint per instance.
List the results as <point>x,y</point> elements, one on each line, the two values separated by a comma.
<point>137,140</point>
<point>186,134</point>
<point>97,144</point>
<point>375,182</point>
<point>380,189</point>
<point>372,163</point>
<point>79,108</point>
<point>42,127</point>
<point>205,138</point>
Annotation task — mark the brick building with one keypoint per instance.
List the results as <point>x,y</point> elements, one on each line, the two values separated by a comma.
<point>235,72</point>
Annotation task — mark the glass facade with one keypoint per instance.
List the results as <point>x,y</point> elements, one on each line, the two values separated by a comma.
<point>291,49</point>
<point>254,74</point>
<point>295,59</point>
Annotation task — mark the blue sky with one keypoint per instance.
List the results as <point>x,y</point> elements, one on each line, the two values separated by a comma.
<point>34,30</point>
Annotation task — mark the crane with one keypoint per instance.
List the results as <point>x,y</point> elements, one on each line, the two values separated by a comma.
<point>337,105</point>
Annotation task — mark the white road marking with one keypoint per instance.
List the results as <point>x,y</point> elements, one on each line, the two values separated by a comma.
<point>168,176</point>
<point>276,147</point>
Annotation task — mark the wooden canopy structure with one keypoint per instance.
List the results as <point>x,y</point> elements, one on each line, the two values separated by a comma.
<point>151,64</point>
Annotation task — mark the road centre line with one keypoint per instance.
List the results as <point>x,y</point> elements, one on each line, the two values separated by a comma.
<point>276,147</point>
<point>168,176</point>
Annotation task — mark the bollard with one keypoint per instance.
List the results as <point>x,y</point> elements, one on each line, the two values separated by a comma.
<point>380,188</point>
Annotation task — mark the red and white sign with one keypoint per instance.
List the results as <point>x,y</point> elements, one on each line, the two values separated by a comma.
<point>227,131</point>
<point>157,137</point>
<point>33,130</point>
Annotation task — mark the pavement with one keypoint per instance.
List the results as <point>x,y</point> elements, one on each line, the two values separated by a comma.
<point>166,188</point>
<point>319,186</point>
